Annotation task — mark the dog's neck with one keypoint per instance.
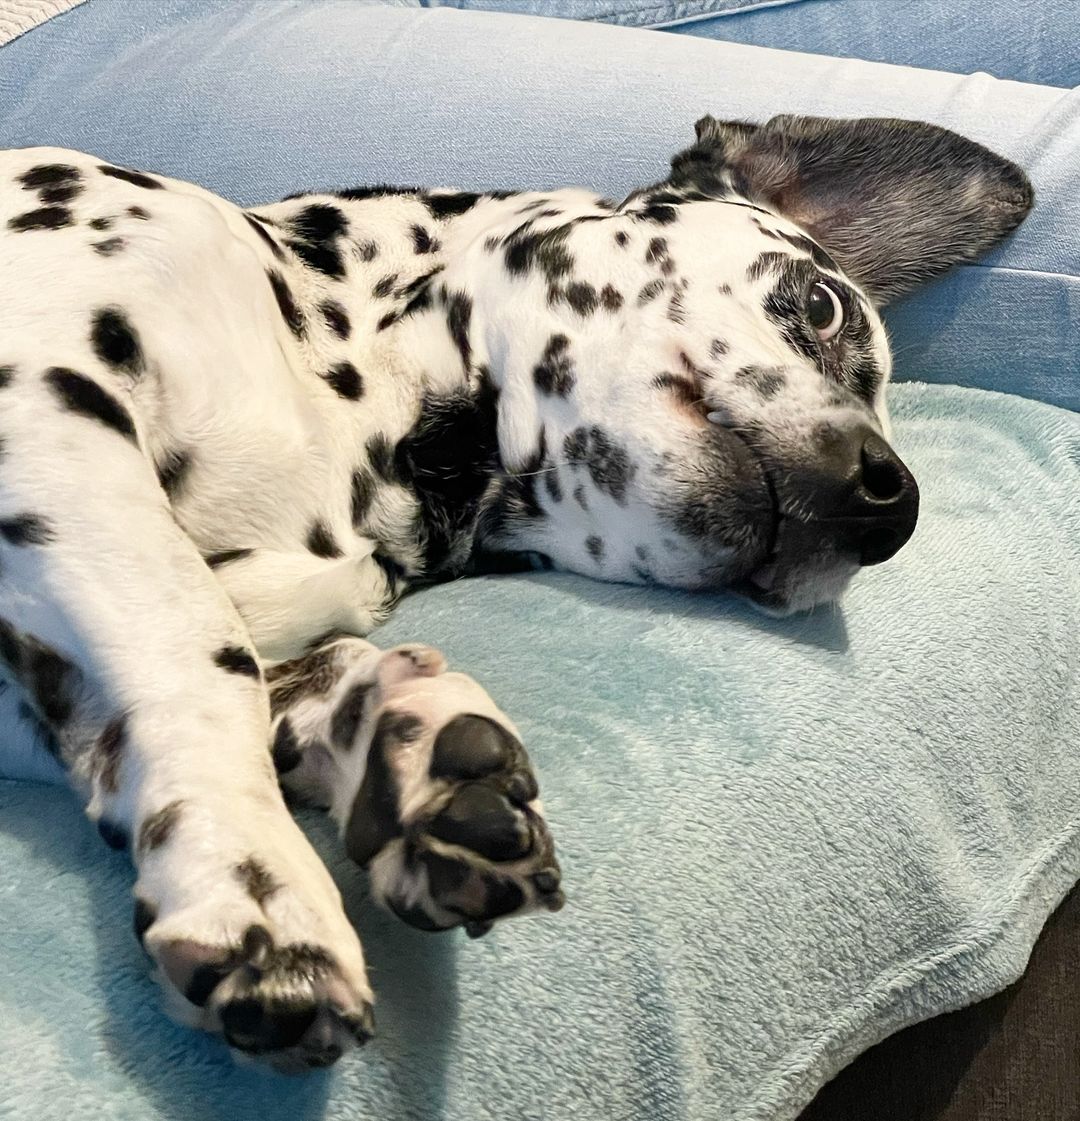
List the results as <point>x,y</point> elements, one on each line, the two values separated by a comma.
<point>441,309</point>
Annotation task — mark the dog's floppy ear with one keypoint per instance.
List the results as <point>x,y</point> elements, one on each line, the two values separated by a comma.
<point>895,202</point>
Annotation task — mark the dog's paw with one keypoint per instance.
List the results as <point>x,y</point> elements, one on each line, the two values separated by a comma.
<point>447,815</point>
<point>249,936</point>
<point>287,1005</point>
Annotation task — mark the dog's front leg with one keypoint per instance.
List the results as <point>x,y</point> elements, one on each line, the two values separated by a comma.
<point>129,650</point>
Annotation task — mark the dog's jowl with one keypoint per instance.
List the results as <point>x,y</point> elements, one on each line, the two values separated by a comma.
<point>230,440</point>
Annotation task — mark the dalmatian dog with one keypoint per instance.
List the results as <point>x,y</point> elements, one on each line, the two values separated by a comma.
<point>230,440</point>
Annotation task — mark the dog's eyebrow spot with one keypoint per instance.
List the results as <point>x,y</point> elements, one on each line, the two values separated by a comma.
<point>115,341</point>
<point>235,659</point>
<point>817,254</point>
<point>320,541</point>
<point>45,218</point>
<point>346,381</point>
<point>595,547</point>
<point>156,829</point>
<point>85,397</point>
<point>26,529</point>
<point>765,263</point>
<point>136,178</point>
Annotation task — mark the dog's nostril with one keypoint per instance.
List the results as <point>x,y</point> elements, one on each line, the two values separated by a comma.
<point>883,476</point>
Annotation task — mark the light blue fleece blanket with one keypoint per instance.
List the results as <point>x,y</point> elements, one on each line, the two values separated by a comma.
<point>781,840</point>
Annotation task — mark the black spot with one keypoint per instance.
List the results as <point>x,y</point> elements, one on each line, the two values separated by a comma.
<point>363,494</point>
<point>156,829</point>
<point>767,381</point>
<point>286,751</point>
<point>393,572</point>
<point>449,457</point>
<point>581,297</point>
<point>6,374</point>
<point>458,314</point>
<point>368,251</point>
<point>608,464</point>
<point>650,291</point>
<point>115,341</point>
<point>235,659</point>
<point>109,246</point>
<point>718,348</point>
<point>385,286</point>
<point>144,917</point>
<point>347,716</point>
<point>336,318</point>
<point>26,529</point>
<point>422,240</point>
<point>374,821</point>
<point>380,453</point>
<point>46,218</point>
<point>579,496</point>
<point>108,752</point>
<point>765,263</point>
<point>172,472</point>
<point>552,485</point>
<point>113,835</point>
<point>610,298</point>
<point>471,747</point>
<point>554,374</point>
<point>450,205</point>
<point>85,397</point>
<point>292,315</point>
<point>319,222</point>
<point>100,223</point>
<point>346,381</point>
<point>49,175</point>
<point>657,250</point>
<point>324,257</point>
<point>545,251</point>
<point>676,311</point>
<point>817,254</point>
<point>595,547</point>
<point>313,674</point>
<point>227,556</point>
<point>63,192</point>
<point>320,541</point>
<point>660,213</point>
<point>685,390</point>
<point>256,879</point>
<point>621,239</point>
<point>138,212</point>
<point>136,178</point>
<point>264,236</point>
<point>388,320</point>
<point>724,289</point>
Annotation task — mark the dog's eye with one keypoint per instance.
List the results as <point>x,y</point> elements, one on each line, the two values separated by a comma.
<point>824,311</point>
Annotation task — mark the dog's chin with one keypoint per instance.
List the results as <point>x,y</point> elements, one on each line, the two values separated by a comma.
<point>779,593</point>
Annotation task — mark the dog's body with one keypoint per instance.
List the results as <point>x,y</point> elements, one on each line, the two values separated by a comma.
<point>226,432</point>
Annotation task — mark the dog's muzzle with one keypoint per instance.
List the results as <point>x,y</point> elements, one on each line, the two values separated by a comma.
<point>856,501</point>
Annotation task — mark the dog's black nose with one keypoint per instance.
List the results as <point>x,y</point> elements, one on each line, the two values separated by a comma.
<point>863,495</point>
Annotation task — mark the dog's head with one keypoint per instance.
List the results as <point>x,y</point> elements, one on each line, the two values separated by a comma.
<point>691,383</point>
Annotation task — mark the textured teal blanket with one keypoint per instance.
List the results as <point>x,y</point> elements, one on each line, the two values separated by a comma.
<point>781,840</point>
